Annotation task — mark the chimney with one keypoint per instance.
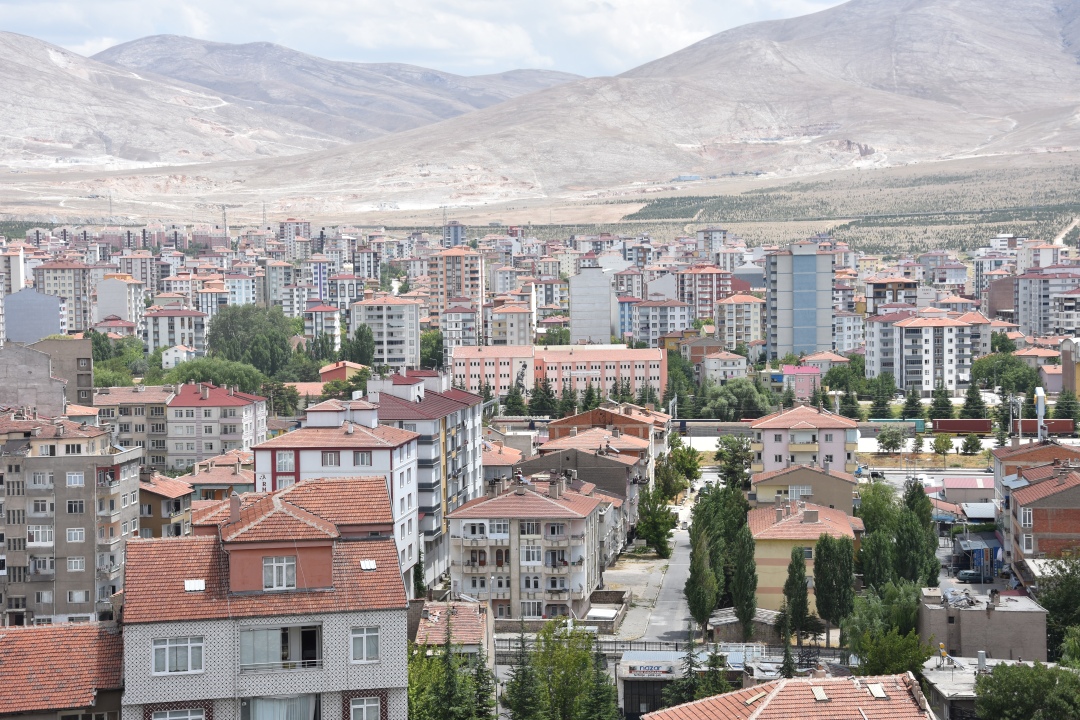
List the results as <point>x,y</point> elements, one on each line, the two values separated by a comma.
<point>234,507</point>
<point>1015,442</point>
<point>982,661</point>
<point>236,468</point>
<point>232,390</point>
<point>348,428</point>
<point>810,516</point>
<point>519,489</point>
<point>554,488</point>
<point>616,432</point>
<point>195,467</point>
<point>779,514</point>
<point>825,466</point>
<point>627,410</point>
<point>787,508</point>
<point>204,391</point>
<point>573,431</point>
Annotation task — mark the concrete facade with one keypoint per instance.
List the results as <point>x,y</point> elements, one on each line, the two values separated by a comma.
<point>26,380</point>
<point>1006,627</point>
<point>73,362</point>
<point>593,308</point>
<point>799,300</point>
<point>30,315</point>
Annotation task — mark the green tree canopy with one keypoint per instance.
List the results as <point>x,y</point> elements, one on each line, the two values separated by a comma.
<point>974,406</point>
<point>219,372</point>
<point>834,577</point>
<point>655,521</point>
<point>253,335</point>
<point>735,400</point>
<point>890,439</point>
<point>1058,593</point>
<point>525,697</point>
<point>1006,371</point>
<point>700,588</point>
<point>543,402</point>
<point>941,407</point>
<point>735,457</point>
<point>913,407</point>
<point>1067,407</point>
<point>1022,692</point>
<point>1000,342</point>
<point>514,403</point>
<point>744,580</point>
<point>876,557</point>
<point>892,653</point>
<point>431,349</point>
<point>878,508</point>
<point>796,593</point>
<point>972,445</point>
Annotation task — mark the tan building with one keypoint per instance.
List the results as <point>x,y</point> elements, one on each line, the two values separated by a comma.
<point>456,273</point>
<point>738,320</point>
<point>829,487</point>
<point>70,280</point>
<point>138,417</point>
<point>164,507</point>
<point>1004,626</point>
<point>779,529</point>
<point>511,325</point>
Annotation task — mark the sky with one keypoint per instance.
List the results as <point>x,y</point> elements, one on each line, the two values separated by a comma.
<point>469,37</point>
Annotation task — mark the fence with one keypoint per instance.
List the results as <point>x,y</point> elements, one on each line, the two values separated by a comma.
<point>806,656</point>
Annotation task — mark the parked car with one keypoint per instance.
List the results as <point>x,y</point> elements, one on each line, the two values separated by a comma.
<point>877,475</point>
<point>969,576</point>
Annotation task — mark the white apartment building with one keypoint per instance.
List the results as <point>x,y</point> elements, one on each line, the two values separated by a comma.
<point>532,551</point>
<point>367,263</point>
<point>460,324</point>
<point>1065,312</point>
<point>69,280</point>
<point>933,351</point>
<point>593,306</point>
<point>241,289</point>
<point>449,465</point>
<point>882,344</point>
<point>986,263</point>
<point>345,289</point>
<point>203,421</point>
<point>847,331</point>
<point>1035,254</point>
<point>278,275</point>
<point>1032,293</point>
<point>122,296</point>
<point>321,320</point>
<point>12,270</point>
<point>652,319</point>
<point>142,266</point>
<point>798,301</point>
<point>343,438</point>
<point>169,327</point>
<point>719,367</point>
<point>511,325</point>
<point>395,325</point>
<point>738,319</point>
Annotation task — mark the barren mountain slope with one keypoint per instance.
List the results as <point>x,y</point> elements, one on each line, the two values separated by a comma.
<point>62,108</point>
<point>353,101</point>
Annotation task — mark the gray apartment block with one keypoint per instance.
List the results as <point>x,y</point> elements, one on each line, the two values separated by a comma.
<point>27,380</point>
<point>30,315</point>
<point>799,300</point>
<point>73,361</point>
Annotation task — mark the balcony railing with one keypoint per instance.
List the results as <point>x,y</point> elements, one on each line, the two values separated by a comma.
<point>282,666</point>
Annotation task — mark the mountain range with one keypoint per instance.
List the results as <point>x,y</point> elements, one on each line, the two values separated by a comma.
<point>870,83</point>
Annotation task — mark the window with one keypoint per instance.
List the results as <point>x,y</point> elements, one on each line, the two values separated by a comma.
<point>76,564</point>
<point>39,535</point>
<point>44,596</point>
<point>42,507</point>
<point>366,708</point>
<point>361,457</point>
<point>76,535</point>
<point>808,553</point>
<point>75,479</point>
<point>331,458</point>
<point>78,596</point>
<point>178,655</point>
<point>531,608</point>
<point>73,449</point>
<point>797,491</point>
<point>279,573</point>
<point>778,458</point>
<point>187,714</point>
<point>286,460</point>
<point>530,527</point>
<point>500,527</point>
<point>531,555</point>
<point>1026,517</point>
<point>828,437</point>
<point>1029,543</point>
<point>365,644</point>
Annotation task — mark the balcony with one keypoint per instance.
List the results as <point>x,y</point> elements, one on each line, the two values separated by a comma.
<point>557,569</point>
<point>578,539</point>
<point>474,567</point>
<point>803,447</point>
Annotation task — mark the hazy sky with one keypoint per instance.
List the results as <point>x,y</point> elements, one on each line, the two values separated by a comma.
<point>588,37</point>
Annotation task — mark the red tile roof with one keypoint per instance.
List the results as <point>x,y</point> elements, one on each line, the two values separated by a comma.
<point>165,486</point>
<point>594,438</point>
<point>58,667</point>
<point>1062,451</point>
<point>359,438</point>
<point>157,568</point>
<point>848,698</point>
<point>528,504</point>
<point>466,621</point>
<point>800,417</point>
<point>270,518</point>
<point>764,526</point>
<point>500,456</point>
<point>190,395</point>
<point>1045,488</point>
<point>832,472</point>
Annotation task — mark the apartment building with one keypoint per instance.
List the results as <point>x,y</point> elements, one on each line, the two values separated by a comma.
<point>720,367</point>
<point>883,346</point>
<point>70,280</point>
<point>630,282</point>
<point>137,416</point>
<point>71,503</point>
<point>367,263</point>
<point>12,270</point>
<point>122,296</point>
<point>72,360</point>
<point>804,435</point>
<point>738,319</point>
<point>652,319</point>
<point>933,351</point>
<point>532,551</point>
<point>166,328</point>
<point>592,306</point>
<point>144,267</point>
<point>701,287</point>
<point>1032,294</point>
<point>204,420</point>
<point>1011,627</point>
<point>631,420</point>
<point>282,606</point>
<point>395,325</point>
<point>461,323</point>
<point>322,320</point>
<point>449,462</point>
<point>511,325</point>
<point>341,439</point>
<point>827,487</point>
<point>552,293</point>
<point>29,315</point>
<point>987,263</point>
<point>278,275</point>
<point>164,506</point>
<point>798,301</point>
<point>456,273</point>
<point>848,331</point>
<point>1043,518</point>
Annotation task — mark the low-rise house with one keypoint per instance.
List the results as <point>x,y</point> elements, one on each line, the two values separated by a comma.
<point>499,460</point>
<point>779,529</point>
<point>471,628</point>
<point>1004,625</point>
<point>802,380</point>
<point>825,361</point>
<point>164,506</point>
<point>1044,519</point>
<point>65,671</point>
<point>720,367</point>
<point>808,483</point>
<point>283,605</point>
<point>804,435</point>
<point>897,697</point>
<point>645,423</point>
<point>219,477</point>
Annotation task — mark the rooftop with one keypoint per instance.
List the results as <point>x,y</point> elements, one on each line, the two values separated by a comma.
<point>802,417</point>
<point>796,526</point>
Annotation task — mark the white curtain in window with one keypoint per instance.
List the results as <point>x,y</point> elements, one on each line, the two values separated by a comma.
<point>260,647</point>
<point>283,707</point>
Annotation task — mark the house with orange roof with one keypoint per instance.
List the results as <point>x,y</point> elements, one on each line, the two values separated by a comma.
<point>897,697</point>
<point>164,506</point>
<point>804,435</point>
<point>470,625</point>
<point>823,485</point>
<point>1035,357</point>
<point>825,361</point>
<point>779,528</point>
<point>1044,518</point>
<point>721,366</point>
<point>68,670</point>
<point>533,552</point>
<point>340,370</point>
<point>279,605</point>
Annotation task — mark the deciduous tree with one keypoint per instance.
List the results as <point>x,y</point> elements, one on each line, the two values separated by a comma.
<point>1022,692</point>
<point>655,521</point>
